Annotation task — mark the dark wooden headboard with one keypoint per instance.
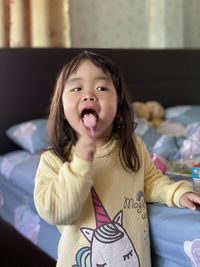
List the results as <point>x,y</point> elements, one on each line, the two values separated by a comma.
<point>27,78</point>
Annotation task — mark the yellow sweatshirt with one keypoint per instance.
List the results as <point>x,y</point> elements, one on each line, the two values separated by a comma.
<point>100,208</point>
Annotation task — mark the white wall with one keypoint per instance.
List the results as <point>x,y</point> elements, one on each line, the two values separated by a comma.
<point>135,23</point>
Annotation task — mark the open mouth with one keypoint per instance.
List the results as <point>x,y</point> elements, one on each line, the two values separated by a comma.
<point>87,112</point>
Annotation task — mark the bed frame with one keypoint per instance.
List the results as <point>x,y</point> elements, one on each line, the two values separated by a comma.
<point>27,78</point>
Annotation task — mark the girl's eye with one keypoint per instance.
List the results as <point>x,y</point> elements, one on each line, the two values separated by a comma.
<point>75,89</point>
<point>101,88</point>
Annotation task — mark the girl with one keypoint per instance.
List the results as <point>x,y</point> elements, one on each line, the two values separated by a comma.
<point>94,180</point>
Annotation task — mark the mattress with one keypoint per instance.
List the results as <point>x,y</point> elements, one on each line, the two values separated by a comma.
<point>16,201</point>
<point>175,236</point>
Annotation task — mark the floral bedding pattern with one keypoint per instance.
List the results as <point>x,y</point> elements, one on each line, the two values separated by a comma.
<point>18,168</point>
<point>10,161</point>
<point>192,249</point>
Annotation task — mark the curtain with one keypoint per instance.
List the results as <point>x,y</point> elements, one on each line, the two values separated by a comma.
<point>34,23</point>
<point>165,23</point>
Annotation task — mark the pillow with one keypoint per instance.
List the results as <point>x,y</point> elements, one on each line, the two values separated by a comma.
<point>192,129</point>
<point>183,114</point>
<point>168,147</point>
<point>30,135</point>
<point>147,133</point>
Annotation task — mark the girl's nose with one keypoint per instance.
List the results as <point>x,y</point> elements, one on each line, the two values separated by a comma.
<point>89,98</point>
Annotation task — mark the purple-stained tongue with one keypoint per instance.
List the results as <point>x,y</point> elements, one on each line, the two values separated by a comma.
<point>90,120</point>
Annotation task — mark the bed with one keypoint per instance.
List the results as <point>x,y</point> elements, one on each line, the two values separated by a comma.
<point>27,78</point>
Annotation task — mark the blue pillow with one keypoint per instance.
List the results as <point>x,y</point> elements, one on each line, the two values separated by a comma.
<point>31,135</point>
<point>183,114</point>
<point>168,147</point>
<point>147,133</point>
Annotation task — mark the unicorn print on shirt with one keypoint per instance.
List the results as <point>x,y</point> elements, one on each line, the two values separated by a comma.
<point>110,244</point>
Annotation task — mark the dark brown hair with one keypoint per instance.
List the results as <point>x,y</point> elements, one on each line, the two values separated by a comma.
<point>62,135</point>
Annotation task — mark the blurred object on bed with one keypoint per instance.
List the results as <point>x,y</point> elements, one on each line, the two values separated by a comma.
<point>171,128</point>
<point>176,139</point>
<point>147,132</point>
<point>196,177</point>
<point>140,110</point>
<point>183,114</point>
<point>159,162</point>
<point>150,111</point>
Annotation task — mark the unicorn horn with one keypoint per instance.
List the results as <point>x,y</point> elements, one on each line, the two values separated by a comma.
<point>100,213</point>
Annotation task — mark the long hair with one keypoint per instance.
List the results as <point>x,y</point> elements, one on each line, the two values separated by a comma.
<point>62,136</point>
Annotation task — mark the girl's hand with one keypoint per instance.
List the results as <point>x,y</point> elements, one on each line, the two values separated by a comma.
<point>189,200</point>
<point>85,147</point>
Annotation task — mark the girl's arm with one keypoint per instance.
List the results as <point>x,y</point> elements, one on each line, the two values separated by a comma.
<point>61,189</point>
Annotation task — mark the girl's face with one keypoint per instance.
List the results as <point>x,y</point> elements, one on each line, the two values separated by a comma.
<point>90,90</point>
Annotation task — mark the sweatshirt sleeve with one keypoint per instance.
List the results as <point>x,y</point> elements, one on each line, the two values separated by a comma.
<point>61,189</point>
<point>159,187</point>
